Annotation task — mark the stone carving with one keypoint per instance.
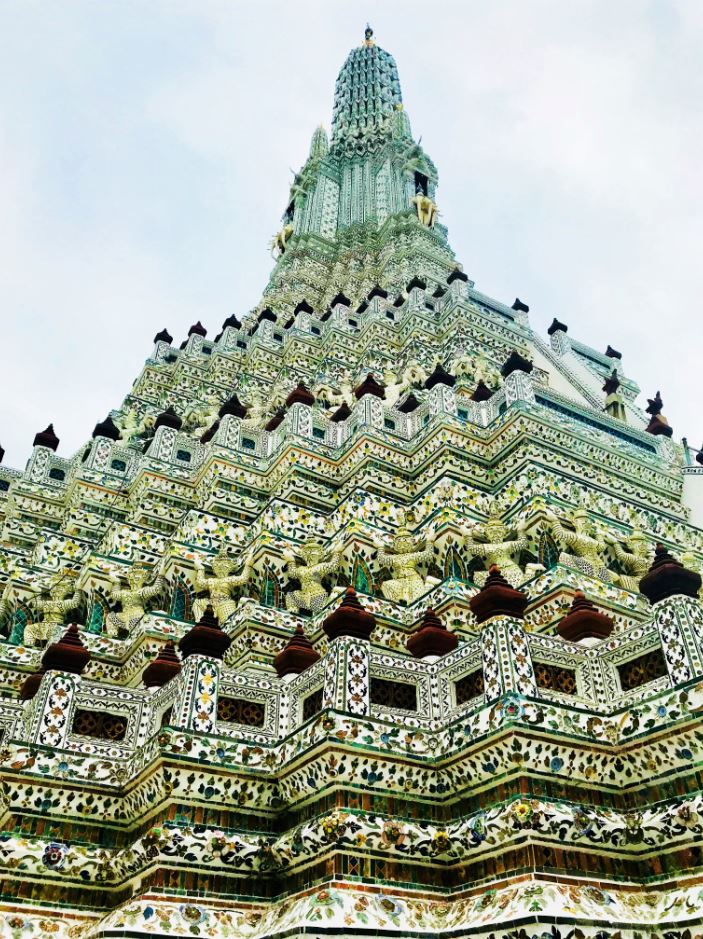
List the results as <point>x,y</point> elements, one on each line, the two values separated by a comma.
<point>131,426</point>
<point>637,558</point>
<point>426,209</point>
<point>343,394</point>
<point>61,597</point>
<point>580,548</point>
<point>475,368</point>
<point>134,598</point>
<point>280,240</point>
<point>256,411</point>
<point>311,595</point>
<point>219,587</point>
<point>403,556</point>
<point>198,419</point>
<point>177,773</point>
<point>396,387</point>
<point>6,604</point>
<point>495,547</point>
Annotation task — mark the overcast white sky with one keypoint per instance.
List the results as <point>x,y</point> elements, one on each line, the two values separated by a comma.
<point>146,147</point>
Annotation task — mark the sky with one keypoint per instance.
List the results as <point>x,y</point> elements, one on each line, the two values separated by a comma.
<point>146,151</point>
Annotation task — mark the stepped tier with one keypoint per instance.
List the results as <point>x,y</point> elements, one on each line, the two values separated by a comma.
<point>368,632</point>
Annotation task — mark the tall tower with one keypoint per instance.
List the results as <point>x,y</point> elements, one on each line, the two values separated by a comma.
<point>375,614</point>
<point>350,223</point>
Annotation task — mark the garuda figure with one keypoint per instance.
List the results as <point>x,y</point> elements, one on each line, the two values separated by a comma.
<point>426,209</point>
<point>198,418</point>
<point>311,595</point>
<point>219,587</point>
<point>61,597</point>
<point>281,239</point>
<point>402,556</point>
<point>335,395</point>
<point>581,550</point>
<point>475,368</point>
<point>6,605</point>
<point>134,598</point>
<point>396,387</point>
<point>494,547</point>
<point>690,561</point>
<point>636,559</point>
<point>256,411</point>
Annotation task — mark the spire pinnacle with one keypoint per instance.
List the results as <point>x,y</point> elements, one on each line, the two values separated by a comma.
<point>319,145</point>
<point>368,36</point>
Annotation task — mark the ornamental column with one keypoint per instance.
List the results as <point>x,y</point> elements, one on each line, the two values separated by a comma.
<point>518,384</point>
<point>507,662</point>
<point>441,397</point>
<point>202,649</point>
<point>368,408</point>
<point>52,690</point>
<point>347,663</point>
<point>672,590</point>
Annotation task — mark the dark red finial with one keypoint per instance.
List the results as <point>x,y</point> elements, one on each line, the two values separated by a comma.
<point>667,577</point>
<point>349,619</point>
<point>498,598</point>
<point>106,429</point>
<point>67,655</point>
<point>168,418</point>
<point>431,637</point>
<point>516,363</point>
<point>163,668</point>
<point>297,655</point>
<point>47,438</point>
<point>205,638</point>
<point>584,621</point>
<point>234,407</point>
<point>341,414</point>
<point>440,376</point>
<point>370,386</point>
<point>482,392</point>
<point>164,336</point>
<point>300,395</point>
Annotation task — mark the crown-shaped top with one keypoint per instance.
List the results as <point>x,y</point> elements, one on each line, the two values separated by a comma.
<point>367,91</point>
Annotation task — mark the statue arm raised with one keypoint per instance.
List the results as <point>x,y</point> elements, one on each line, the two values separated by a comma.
<point>329,567</point>
<point>521,543</point>
<point>625,557</point>
<point>417,557</point>
<point>289,558</point>
<point>199,579</point>
<point>116,584</point>
<point>561,534</point>
<point>70,603</point>
<point>156,588</point>
<point>475,548</point>
<point>244,576</point>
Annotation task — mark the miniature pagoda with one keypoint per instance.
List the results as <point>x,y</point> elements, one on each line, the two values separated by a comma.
<point>376,613</point>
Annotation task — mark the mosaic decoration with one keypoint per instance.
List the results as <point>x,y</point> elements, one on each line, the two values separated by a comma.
<point>210,755</point>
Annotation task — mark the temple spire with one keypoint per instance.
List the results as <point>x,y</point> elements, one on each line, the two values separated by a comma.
<point>319,145</point>
<point>367,91</point>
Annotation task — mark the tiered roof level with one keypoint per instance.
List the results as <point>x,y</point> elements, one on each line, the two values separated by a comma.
<point>375,612</point>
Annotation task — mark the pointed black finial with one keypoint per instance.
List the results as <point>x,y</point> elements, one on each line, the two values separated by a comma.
<point>654,405</point>
<point>368,33</point>
<point>163,336</point>
<point>612,384</point>
<point>46,438</point>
